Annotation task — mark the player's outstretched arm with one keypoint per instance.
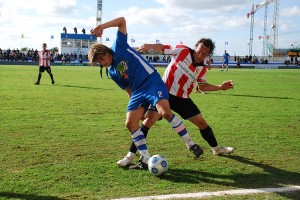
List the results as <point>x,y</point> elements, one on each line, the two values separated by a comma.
<point>156,47</point>
<point>210,87</point>
<point>118,22</point>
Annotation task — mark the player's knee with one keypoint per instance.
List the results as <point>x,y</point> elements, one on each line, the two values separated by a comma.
<point>202,124</point>
<point>130,126</point>
<point>167,115</point>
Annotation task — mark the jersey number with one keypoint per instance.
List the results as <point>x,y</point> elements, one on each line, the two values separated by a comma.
<point>160,93</point>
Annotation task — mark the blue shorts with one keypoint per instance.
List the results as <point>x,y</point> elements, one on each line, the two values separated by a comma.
<point>150,92</point>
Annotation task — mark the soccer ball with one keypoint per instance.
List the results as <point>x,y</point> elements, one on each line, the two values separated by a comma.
<point>158,165</point>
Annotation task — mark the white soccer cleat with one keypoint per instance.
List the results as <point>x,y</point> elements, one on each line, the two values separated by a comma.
<point>125,161</point>
<point>222,150</point>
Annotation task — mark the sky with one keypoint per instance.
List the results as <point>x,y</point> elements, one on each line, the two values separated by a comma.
<point>169,21</point>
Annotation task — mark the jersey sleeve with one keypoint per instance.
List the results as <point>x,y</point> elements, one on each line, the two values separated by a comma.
<point>171,51</point>
<point>121,39</point>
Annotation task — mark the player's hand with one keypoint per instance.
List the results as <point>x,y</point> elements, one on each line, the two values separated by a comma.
<point>98,31</point>
<point>227,85</point>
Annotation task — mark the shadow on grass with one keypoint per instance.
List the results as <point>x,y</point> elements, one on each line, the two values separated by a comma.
<point>254,96</point>
<point>270,177</point>
<point>80,87</point>
<point>27,196</point>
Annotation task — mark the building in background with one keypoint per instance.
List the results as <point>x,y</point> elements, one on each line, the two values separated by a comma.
<point>76,43</point>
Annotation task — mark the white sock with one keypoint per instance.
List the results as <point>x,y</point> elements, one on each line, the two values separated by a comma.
<point>130,154</point>
<point>179,127</point>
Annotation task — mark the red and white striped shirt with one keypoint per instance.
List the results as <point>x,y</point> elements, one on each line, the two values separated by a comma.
<point>182,72</point>
<point>44,58</point>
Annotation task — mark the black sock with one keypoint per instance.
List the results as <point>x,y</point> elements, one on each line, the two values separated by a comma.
<point>106,72</point>
<point>39,78</point>
<point>208,135</point>
<point>133,148</point>
<point>145,130</point>
<point>51,75</point>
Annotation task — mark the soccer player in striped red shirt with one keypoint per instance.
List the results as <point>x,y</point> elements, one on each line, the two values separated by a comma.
<point>186,68</point>
<point>44,63</point>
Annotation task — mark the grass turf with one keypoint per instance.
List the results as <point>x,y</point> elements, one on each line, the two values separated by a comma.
<point>62,141</point>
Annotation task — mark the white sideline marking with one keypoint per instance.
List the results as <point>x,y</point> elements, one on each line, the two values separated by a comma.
<point>219,193</point>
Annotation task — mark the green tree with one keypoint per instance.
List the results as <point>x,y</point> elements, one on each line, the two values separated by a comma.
<point>55,49</point>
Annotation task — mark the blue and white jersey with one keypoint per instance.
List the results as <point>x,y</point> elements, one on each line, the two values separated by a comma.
<point>226,57</point>
<point>128,68</point>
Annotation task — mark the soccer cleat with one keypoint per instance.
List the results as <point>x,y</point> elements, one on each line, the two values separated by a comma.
<point>196,149</point>
<point>53,82</point>
<point>139,166</point>
<point>36,83</point>
<point>125,161</point>
<point>222,150</point>
<point>197,91</point>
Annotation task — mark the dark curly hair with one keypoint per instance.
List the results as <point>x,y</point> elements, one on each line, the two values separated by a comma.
<point>207,43</point>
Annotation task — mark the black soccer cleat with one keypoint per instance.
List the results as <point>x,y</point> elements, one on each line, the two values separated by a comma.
<point>139,166</point>
<point>197,151</point>
<point>36,83</point>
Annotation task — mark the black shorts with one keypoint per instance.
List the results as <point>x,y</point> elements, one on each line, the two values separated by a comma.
<point>185,107</point>
<point>42,69</point>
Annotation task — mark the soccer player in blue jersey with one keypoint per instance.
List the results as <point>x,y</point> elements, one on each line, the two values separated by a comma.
<point>142,82</point>
<point>226,57</point>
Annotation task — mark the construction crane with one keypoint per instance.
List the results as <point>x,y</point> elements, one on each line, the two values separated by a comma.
<point>274,30</point>
<point>265,37</point>
<point>99,15</point>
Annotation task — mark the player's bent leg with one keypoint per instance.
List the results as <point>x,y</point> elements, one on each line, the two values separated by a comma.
<point>132,119</point>
<point>127,160</point>
<point>151,117</point>
<point>208,135</point>
<point>199,121</point>
<point>163,108</point>
<point>179,127</point>
<point>137,135</point>
<point>39,79</point>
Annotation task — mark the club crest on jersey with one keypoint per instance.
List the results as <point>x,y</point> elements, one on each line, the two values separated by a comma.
<point>122,68</point>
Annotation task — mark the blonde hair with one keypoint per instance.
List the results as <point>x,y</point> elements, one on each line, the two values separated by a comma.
<point>96,51</point>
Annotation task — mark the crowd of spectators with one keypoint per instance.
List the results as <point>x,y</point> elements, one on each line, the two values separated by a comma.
<point>250,60</point>
<point>156,58</point>
<point>292,60</point>
<point>33,56</point>
<point>17,55</point>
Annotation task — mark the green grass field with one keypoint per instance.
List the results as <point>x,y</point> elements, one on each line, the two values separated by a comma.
<point>62,141</point>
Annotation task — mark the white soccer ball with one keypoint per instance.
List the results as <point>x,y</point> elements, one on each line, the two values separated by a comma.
<point>158,165</point>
